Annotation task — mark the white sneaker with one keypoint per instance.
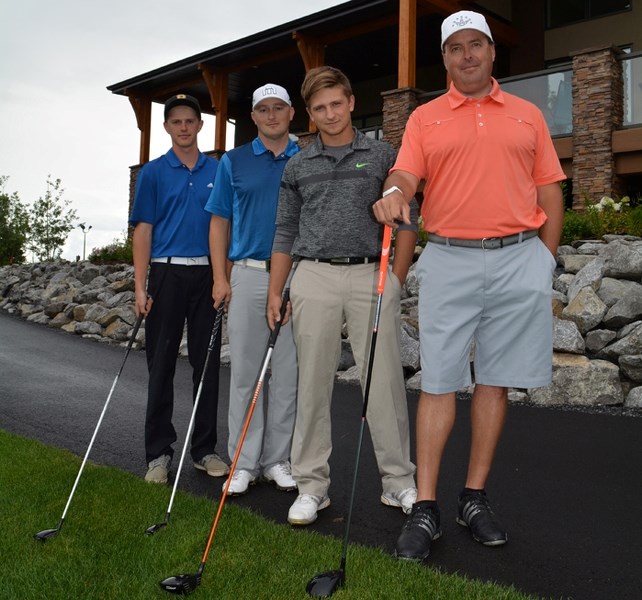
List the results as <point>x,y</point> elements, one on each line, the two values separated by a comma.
<point>241,481</point>
<point>305,507</point>
<point>281,475</point>
<point>158,469</point>
<point>403,499</point>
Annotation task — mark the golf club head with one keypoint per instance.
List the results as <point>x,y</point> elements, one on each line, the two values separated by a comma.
<point>181,584</point>
<point>324,585</point>
<point>152,529</point>
<point>45,534</point>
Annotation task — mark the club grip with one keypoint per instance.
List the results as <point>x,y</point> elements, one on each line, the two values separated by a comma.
<point>277,325</point>
<point>385,257</point>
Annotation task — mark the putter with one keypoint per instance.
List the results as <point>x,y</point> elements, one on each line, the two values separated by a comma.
<point>323,585</point>
<point>45,534</point>
<point>217,325</point>
<point>188,582</point>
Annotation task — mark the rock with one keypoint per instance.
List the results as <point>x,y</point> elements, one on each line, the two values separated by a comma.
<point>567,337</point>
<point>578,381</point>
<point>598,339</point>
<point>586,310</point>
<point>590,275</point>
<point>631,365</point>
<point>634,398</point>
<point>573,263</point>
<point>626,310</point>
<point>623,259</point>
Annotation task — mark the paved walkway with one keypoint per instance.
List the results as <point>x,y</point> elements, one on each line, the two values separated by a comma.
<point>566,484</point>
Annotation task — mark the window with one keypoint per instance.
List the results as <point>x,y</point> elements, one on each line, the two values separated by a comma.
<point>565,12</point>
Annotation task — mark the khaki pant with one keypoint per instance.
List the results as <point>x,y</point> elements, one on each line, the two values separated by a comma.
<point>323,297</point>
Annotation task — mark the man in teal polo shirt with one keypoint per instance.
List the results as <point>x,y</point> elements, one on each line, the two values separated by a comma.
<point>243,206</point>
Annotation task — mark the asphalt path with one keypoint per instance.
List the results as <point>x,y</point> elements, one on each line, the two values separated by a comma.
<point>567,484</point>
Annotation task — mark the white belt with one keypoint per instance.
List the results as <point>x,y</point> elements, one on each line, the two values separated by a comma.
<point>263,265</point>
<point>187,261</point>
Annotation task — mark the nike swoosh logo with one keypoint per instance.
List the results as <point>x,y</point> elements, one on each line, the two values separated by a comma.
<point>361,165</point>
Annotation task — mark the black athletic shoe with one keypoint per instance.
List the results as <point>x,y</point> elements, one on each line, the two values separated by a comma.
<point>476,514</point>
<point>419,530</point>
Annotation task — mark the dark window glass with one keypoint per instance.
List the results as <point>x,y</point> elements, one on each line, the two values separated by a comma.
<point>605,7</point>
<point>561,12</point>
<point>565,12</point>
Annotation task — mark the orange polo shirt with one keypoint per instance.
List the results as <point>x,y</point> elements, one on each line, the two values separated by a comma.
<point>482,161</point>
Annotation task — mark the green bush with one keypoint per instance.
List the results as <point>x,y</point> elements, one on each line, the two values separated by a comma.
<point>119,251</point>
<point>608,216</point>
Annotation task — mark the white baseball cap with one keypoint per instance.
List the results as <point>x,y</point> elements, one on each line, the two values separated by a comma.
<point>270,90</point>
<point>464,19</point>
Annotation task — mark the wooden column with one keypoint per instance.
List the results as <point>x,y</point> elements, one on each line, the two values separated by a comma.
<point>143,110</point>
<point>313,54</point>
<point>217,86</point>
<point>407,59</point>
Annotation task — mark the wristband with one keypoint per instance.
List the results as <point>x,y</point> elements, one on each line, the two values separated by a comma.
<point>391,190</point>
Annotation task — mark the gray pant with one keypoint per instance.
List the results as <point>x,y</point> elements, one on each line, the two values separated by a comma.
<point>323,297</point>
<point>269,436</point>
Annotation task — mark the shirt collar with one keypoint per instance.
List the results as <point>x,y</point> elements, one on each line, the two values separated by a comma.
<point>258,147</point>
<point>174,161</point>
<point>456,98</point>
<point>359,142</point>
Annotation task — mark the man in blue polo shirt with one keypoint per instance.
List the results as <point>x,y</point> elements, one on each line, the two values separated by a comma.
<point>243,206</point>
<point>171,232</point>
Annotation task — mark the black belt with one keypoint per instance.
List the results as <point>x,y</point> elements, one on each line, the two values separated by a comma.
<point>489,243</point>
<point>345,260</point>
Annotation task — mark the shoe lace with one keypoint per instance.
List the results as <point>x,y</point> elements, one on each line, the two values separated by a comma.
<point>237,475</point>
<point>283,468</point>
<point>474,504</point>
<point>423,518</point>
<point>307,499</point>
<point>161,461</point>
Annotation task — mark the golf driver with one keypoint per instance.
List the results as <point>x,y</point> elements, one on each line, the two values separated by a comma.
<point>45,534</point>
<point>217,325</point>
<point>325,584</point>
<point>188,582</point>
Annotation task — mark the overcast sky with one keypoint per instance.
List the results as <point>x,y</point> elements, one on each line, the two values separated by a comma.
<point>58,118</point>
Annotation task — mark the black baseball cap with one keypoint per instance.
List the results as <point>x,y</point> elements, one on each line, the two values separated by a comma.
<point>182,100</point>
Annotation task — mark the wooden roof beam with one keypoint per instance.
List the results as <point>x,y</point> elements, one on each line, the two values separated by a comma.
<point>217,86</point>
<point>407,54</point>
<point>311,50</point>
<point>142,106</point>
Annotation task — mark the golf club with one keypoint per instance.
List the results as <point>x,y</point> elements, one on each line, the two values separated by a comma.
<point>45,534</point>
<point>323,585</point>
<point>187,582</point>
<point>217,325</point>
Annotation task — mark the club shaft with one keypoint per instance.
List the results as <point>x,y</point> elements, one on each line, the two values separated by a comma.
<point>257,390</point>
<point>190,427</point>
<point>100,419</point>
<point>381,284</point>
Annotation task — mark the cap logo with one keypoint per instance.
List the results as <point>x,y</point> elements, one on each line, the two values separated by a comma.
<point>462,20</point>
<point>269,91</point>
<point>180,96</point>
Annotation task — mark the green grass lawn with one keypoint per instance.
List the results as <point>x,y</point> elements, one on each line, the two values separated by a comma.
<point>103,552</point>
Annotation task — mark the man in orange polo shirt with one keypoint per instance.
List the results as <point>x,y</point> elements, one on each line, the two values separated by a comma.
<point>493,209</point>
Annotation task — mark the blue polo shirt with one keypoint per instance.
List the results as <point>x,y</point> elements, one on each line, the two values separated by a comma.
<point>172,198</point>
<point>246,193</point>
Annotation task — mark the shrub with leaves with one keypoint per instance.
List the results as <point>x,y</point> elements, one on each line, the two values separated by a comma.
<point>119,251</point>
<point>608,216</point>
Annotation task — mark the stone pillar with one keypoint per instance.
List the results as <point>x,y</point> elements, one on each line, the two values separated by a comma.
<point>397,106</point>
<point>597,110</point>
